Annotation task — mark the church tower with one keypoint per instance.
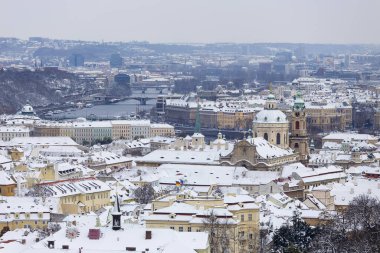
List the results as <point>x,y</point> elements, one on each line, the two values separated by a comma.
<point>271,103</point>
<point>272,124</point>
<point>116,214</point>
<point>298,134</point>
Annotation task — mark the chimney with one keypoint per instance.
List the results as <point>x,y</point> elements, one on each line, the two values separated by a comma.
<point>352,191</point>
<point>148,235</point>
<point>18,186</point>
<point>51,244</point>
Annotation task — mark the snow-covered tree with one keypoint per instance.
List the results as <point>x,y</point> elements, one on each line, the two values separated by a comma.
<point>144,194</point>
<point>295,237</point>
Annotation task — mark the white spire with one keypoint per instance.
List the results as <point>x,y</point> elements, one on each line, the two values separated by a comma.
<point>116,206</point>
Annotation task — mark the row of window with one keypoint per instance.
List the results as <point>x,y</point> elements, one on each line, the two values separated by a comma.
<point>94,196</point>
<point>27,215</point>
<point>278,138</point>
<point>28,226</point>
<point>10,190</point>
<point>8,137</point>
<point>73,199</point>
<point>94,208</point>
<point>242,217</point>
<point>242,234</point>
<point>181,229</point>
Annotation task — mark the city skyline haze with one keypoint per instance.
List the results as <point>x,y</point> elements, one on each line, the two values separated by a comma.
<point>196,21</point>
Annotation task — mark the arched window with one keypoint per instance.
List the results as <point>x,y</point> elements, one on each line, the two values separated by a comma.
<point>278,138</point>
<point>297,125</point>
<point>296,145</point>
<point>265,136</point>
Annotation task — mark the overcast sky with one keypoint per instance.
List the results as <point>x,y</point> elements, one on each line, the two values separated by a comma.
<point>309,21</point>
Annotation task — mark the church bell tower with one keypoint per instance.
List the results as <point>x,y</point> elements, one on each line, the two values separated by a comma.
<point>116,214</point>
<point>298,134</point>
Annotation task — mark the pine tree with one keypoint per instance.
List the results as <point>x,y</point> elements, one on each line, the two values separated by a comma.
<point>293,238</point>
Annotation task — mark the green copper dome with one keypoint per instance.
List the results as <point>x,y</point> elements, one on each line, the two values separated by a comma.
<point>299,104</point>
<point>271,97</point>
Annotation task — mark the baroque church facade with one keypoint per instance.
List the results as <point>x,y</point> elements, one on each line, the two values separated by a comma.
<point>276,141</point>
<point>272,124</point>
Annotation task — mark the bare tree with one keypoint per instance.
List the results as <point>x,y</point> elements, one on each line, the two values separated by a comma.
<point>39,191</point>
<point>218,192</point>
<point>221,235</point>
<point>357,229</point>
<point>332,237</point>
<point>144,194</point>
<point>266,228</point>
<point>363,216</point>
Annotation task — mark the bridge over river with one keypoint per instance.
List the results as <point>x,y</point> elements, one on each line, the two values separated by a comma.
<point>138,101</point>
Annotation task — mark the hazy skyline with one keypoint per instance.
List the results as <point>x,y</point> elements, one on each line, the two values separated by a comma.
<point>245,21</point>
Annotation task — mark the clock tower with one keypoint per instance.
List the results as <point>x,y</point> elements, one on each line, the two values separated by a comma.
<point>299,139</point>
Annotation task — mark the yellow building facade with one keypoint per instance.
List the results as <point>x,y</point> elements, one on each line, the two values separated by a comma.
<point>81,195</point>
<point>162,130</point>
<point>23,215</point>
<point>184,213</point>
<point>8,184</point>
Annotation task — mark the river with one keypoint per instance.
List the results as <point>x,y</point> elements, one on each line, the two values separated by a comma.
<point>112,111</point>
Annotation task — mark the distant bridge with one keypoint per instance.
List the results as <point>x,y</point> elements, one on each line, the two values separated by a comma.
<point>143,94</point>
<point>142,86</point>
<point>141,98</point>
<point>143,90</point>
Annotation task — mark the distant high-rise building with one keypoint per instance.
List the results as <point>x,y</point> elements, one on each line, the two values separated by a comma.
<point>300,52</point>
<point>283,57</point>
<point>116,61</point>
<point>347,59</point>
<point>76,60</point>
<point>265,67</point>
<point>122,79</point>
<point>328,61</point>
